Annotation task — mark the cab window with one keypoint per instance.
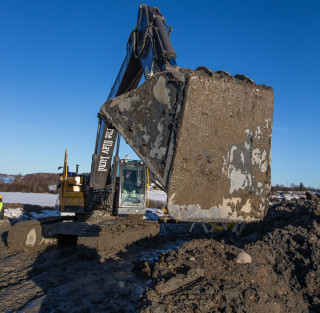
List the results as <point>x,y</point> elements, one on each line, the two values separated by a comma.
<point>132,184</point>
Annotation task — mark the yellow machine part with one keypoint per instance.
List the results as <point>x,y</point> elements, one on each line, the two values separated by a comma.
<point>74,201</point>
<point>219,226</point>
<point>75,180</point>
<point>71,193</point>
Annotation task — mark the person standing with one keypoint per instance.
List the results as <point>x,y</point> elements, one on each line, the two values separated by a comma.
<point>1,209</point>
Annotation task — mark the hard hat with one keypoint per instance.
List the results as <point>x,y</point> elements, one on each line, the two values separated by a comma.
<point>0,197</point>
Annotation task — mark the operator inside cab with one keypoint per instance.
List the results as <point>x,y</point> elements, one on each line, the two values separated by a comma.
<point>132,184</point>
<point>129,185</point>
<point>130,189</point>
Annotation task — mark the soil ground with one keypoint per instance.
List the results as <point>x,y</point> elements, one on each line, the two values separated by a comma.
<point>178,271</point>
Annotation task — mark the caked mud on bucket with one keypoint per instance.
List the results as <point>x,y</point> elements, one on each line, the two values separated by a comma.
<point>206,137</point>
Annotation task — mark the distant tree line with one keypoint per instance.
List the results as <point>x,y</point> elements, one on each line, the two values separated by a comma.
<point>40,183</point>
<point>292,187</point>
<point>37,183</point>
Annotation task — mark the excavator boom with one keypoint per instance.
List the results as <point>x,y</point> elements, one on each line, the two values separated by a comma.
<point>149,51</point>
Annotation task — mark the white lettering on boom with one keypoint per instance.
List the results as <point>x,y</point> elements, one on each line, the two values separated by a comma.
<point>109,133</point>
<point>102,164</point>
<point>106,146</point>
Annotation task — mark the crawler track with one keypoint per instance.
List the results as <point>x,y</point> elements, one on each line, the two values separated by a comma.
<point>104,237</point>
<point>113,237</point>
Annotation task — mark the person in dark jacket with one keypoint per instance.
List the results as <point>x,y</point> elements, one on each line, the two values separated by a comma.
<point>129,191</point>
<point>128,185</point>
<point>1,209</point>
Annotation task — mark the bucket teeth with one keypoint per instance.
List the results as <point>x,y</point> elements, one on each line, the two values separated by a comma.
<point>205,69</point>
<point>244,78</point>
<point>206,137</point>
<point>224,73</point>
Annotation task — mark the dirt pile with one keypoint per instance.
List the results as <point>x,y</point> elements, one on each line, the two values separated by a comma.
<point>273,267</point>
<point>283,276</point>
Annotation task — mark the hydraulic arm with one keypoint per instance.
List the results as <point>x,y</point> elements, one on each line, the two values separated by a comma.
<point>149,51</point>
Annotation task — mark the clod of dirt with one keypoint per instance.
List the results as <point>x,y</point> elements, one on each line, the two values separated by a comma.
<point>243,258</point>
<point>143,269</point>
<point>179,281</point>
<point>312,196</point>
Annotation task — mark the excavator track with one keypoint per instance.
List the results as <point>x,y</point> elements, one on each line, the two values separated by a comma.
<point>104,238</point>
<point>110,237</point>
<point>28,236</point>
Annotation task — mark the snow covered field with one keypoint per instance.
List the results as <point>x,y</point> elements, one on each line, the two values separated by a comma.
<point>158,195</point>
<point>21,214</point>
<point>46,200</point>
<point>42,199</point>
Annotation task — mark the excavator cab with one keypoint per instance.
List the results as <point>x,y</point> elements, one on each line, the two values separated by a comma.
<point>132,187</point>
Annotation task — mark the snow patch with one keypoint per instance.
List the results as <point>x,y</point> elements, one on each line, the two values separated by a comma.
<point>157,195</point>
<point>23,215</point>
<point>42,199</point>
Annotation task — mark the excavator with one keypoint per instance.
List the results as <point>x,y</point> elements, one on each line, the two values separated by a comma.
<point>203,137</point>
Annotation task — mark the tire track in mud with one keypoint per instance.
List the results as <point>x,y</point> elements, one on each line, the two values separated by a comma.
<point>64,278</point>
<point>16,288</point>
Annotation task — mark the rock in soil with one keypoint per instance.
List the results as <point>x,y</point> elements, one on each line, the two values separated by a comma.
<point>243,258</point>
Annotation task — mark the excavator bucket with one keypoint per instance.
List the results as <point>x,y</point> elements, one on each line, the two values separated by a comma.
<point>206,138</point>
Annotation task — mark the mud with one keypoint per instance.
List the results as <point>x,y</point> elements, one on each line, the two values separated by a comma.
<point>104,234</point>
<point>206,137</point>
<point>67,278</point>
<point>283,276</point>
<point>222,165</point>
<point>179,272</point>
<point>27,236</point>
<point>115,237</point>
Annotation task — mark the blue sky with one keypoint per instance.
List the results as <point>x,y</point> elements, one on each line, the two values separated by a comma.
<point>59,60</point>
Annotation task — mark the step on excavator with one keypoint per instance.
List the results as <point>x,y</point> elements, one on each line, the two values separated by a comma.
<point>203,137</point>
